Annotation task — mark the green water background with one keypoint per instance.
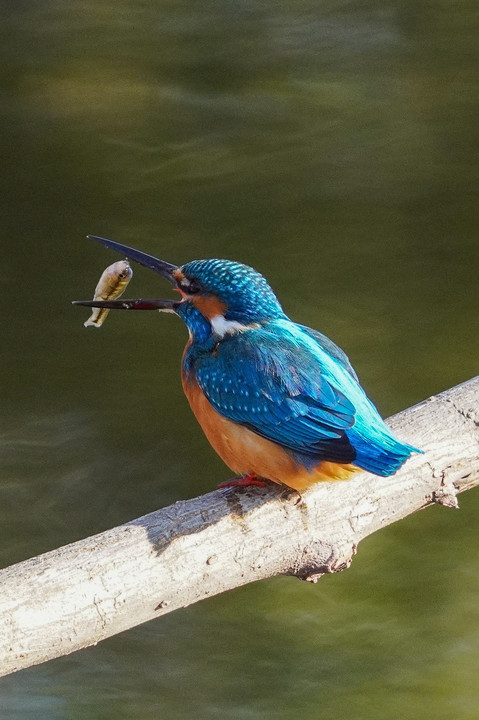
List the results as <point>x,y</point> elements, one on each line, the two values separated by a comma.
<point>332,145</point>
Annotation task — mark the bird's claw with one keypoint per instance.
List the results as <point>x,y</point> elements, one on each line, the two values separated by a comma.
<point>244,481</point>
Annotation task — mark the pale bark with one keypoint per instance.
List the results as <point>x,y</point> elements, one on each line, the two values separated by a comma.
<point>75,596</point>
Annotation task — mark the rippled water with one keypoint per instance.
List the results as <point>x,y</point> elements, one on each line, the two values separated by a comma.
<point>334,147</point>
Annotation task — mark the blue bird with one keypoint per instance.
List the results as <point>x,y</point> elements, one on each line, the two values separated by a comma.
<point>276,400</point>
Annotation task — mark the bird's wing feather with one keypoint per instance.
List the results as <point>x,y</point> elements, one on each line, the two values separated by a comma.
<point>326,344</point>
<point>277,388</point>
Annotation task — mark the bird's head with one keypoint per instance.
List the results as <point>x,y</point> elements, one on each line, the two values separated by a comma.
<point>227,293</point>
<point>218,296</point>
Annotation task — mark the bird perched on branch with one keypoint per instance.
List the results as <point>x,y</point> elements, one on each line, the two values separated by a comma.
<point>277,400</point>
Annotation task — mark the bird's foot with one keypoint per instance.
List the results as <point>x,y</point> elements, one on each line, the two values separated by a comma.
<point>244,481</point>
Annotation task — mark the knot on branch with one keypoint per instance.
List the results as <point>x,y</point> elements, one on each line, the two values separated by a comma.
<point>447,491</point>
<point>318,559</point>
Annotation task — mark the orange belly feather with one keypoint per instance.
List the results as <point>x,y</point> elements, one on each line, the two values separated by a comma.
<point>245,452</point>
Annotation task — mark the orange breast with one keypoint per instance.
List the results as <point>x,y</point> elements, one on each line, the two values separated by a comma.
<point>245,452</point>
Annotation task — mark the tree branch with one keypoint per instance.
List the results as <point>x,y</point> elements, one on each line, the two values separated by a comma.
<point>75,596</point>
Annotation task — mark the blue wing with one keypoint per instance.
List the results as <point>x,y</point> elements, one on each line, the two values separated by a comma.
<point>275,385</point>
<point>292,385</point>
<point>326,344</point>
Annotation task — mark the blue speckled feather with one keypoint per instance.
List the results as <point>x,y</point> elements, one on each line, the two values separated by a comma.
<point>293,386</point>
<point>259,381</point>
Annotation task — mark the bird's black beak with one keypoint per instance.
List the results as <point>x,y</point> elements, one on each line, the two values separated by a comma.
<point>160,266</point>
<point>165,269</point>
<point>140,304</point>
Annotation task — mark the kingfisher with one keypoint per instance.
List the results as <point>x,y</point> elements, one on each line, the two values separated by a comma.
<point>278,401</point>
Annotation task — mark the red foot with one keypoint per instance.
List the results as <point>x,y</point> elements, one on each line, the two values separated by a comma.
<point>244,481</point>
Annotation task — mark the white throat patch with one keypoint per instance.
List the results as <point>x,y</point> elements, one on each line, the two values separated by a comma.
<point>221,326</point>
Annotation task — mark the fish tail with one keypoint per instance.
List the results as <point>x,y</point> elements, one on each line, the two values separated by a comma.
<point>97,318</point>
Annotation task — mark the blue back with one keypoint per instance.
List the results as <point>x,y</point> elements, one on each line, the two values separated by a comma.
<point>293,386</point>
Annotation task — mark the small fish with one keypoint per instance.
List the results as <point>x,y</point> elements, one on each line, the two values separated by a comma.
<point>111,285</point>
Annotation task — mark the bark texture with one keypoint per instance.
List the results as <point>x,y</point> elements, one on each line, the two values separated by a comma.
<point>80,594</point>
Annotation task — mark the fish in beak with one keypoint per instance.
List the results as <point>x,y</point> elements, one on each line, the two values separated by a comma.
<point>161,267</point>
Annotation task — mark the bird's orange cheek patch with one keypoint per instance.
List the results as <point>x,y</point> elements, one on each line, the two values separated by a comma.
<point>178,275</point>
<point>209,307</point>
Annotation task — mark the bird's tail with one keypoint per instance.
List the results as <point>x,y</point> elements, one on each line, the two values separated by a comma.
<point>380,453</point>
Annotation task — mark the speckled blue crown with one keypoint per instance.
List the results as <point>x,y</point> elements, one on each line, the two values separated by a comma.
<point>246,293</point>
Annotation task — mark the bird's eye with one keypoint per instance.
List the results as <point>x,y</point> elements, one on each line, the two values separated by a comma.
<point>191,287</point>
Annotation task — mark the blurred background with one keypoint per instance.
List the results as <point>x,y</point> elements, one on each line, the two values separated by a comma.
<point>332,145</point>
